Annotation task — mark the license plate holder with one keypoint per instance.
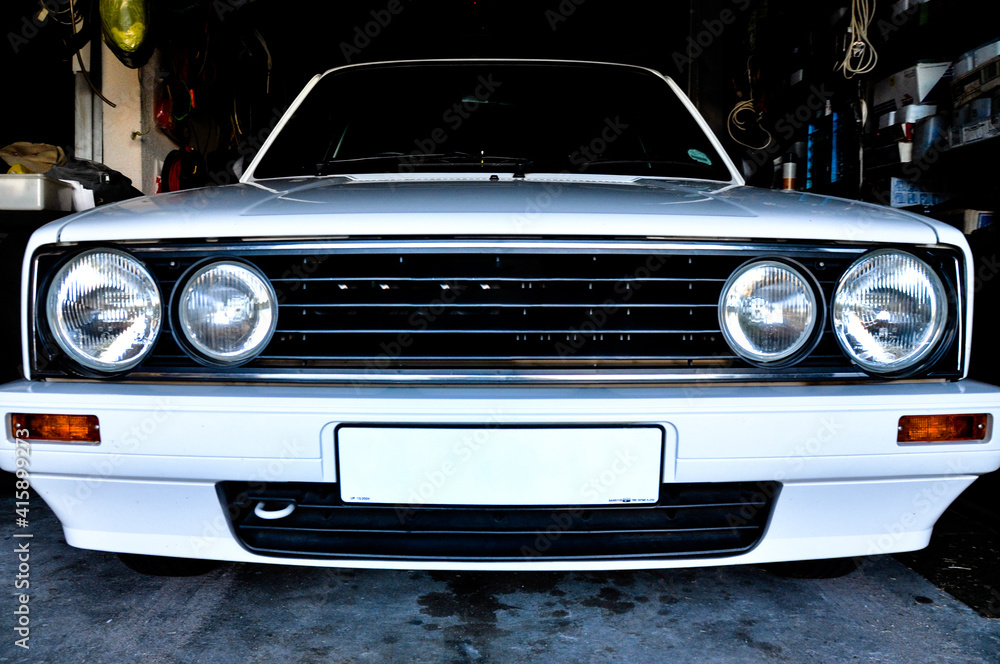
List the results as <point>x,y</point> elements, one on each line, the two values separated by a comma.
<point>501,466</point>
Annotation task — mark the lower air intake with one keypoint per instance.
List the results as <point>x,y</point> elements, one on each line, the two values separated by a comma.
<point>688,520</point>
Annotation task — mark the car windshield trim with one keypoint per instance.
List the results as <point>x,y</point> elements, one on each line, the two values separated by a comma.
<point>715,166</point>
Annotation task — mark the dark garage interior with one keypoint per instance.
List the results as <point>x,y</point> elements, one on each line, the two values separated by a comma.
<point>905,115</point>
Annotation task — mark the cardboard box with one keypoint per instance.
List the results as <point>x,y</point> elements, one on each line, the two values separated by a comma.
<point>982,81</point>
<point>994,128</point>
<point>968,221</point>
<point>910,86</point>
<point>903,193</point>
<point>980,109</point>
<point>975,131</point>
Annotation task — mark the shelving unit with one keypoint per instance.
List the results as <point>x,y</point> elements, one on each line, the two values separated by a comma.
<point>814,113</point>
<point>953,157</point>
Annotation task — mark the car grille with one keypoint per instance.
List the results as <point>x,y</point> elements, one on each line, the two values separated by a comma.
<point>688,521</point>
<point>500,311</point>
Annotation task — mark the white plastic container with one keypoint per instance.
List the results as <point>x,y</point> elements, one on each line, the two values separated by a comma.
<point>965,63</point>
<point>986,53</point>
<point>916,112</point>
<point>34,192</point>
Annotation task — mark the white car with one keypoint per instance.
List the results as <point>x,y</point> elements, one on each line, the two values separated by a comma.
<point>496,315</point>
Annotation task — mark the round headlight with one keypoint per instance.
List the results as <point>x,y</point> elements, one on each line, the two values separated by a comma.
<point>104,310</point>
<point>768,312</point>
<point>227,312</point>
<point>889,311</point>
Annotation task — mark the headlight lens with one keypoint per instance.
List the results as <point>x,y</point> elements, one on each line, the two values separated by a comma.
<point>104,310</point>
<point>768,311</point>
<point>227,312</point>
<point>889,311</point>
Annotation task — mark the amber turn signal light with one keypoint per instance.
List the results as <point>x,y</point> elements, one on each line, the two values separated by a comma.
<point>942,428</point>
<point>38,427</point>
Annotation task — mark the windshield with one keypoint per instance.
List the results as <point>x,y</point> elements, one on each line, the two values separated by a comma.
<point>492,117</point>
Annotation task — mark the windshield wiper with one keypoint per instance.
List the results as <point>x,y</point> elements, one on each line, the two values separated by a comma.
<point>520,164</point>
<point>647,162</point>
<point>470,156</point>
<point>451,158</point>
<point>323,168</point>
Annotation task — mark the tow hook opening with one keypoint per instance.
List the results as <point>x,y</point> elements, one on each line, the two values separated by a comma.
<point>271,510</point>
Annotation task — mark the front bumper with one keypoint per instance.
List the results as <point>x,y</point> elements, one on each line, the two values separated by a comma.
<point>847,487</point>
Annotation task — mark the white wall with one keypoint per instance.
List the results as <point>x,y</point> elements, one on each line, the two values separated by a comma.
<point>122,86</point>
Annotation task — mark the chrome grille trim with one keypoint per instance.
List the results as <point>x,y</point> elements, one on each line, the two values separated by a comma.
<point>583,367</point>
<point>252,246</point>
<point>565,378</point>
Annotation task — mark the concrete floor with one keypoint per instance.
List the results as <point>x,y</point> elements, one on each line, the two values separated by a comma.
<point>87,607</point>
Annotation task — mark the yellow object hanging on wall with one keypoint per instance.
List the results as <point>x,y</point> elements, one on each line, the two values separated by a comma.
<point>126,26</point>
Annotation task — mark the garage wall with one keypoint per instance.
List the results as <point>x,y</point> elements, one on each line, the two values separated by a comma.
<point>121,152</point>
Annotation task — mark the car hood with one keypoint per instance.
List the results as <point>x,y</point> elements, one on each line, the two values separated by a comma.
<point>452,205</point>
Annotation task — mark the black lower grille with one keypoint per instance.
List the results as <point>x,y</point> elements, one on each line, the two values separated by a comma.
<point>688,521</point>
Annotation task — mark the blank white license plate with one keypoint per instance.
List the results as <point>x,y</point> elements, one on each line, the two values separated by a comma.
<point>499,466</point>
